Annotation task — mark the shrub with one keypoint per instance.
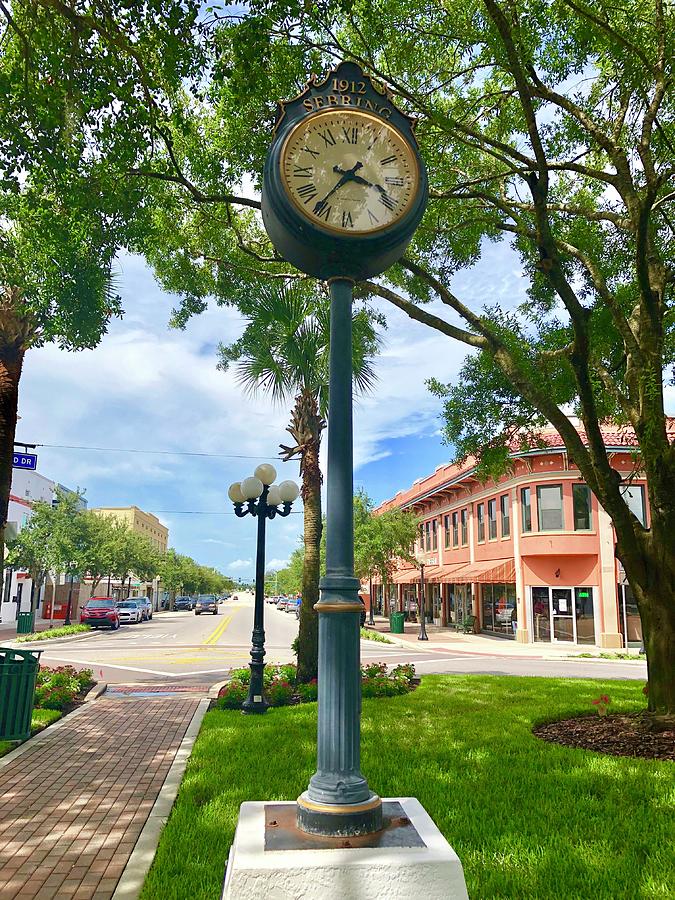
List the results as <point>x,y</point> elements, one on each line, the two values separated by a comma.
<point>289,671</point>
<point>373,670</point>
<point>280,692</point>
<point>53,633</point>
<point>372,635</point>
<point>405,671</point>
<point>602,704</point>
<point>243,676</point>
<point>381,686</point>
<point>232,695</point>
<point>309,692</point>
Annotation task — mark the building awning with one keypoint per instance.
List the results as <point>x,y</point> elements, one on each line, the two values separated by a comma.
<point>489,571</point>
<point>405,576</point>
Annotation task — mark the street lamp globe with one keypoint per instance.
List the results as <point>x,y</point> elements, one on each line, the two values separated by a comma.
<point>235,494</point>
<point>273,496</point>
<point>266,473</point>
<point>251,487</point>
<point>288,491</point>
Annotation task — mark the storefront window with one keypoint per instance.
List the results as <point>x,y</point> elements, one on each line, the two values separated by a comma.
<point>480,513</point>
<point>498,602</point>
<point>549,507</point>
<point>492,519</point>
<point>459,602</point>
<point>427,533</point>
<point>629,616</point>
<point>563,614</point>
<point>583,601</point>
<point>541,614</point>
<point>581,496</point>
<point>526,508</point>
<point>506,515</point>
<point>464,517</point>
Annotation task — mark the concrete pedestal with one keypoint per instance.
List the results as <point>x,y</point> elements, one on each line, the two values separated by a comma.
<point>408,860</point>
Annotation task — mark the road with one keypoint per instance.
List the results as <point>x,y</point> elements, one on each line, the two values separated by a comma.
<point>183,648</point>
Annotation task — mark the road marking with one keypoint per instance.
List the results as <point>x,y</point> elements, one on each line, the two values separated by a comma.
<point>218,632</point>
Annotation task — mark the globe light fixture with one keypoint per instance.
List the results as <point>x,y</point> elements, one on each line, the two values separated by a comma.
<point>258,496</point>
<point>266,473</point>
<point>252,488</point>
<point>289,491</point>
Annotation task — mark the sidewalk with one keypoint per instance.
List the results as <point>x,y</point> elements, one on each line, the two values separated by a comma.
<point>75,799</point>
<point>8,629</point>
<point>479,644</point>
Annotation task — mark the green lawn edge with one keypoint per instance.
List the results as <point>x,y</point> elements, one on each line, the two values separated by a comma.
<point>40,719</point>
<point>527,818</point>
<point>52,633</point>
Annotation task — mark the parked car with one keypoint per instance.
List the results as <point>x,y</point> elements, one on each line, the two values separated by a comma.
<point>292,604</point>
<point>184,603</point>
<point>234,597</point>
<point>130,611</point>
<point>281,603</point>
<point>206,603</point>
<point>100,611</point>
<point>146,607</point>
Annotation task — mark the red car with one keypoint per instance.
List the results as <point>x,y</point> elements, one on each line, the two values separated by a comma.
<point>100,611</point>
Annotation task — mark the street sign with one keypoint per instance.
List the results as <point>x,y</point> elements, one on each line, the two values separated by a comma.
<point>24,461</point>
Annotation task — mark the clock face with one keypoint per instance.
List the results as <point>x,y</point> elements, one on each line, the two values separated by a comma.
<point>349,171</point>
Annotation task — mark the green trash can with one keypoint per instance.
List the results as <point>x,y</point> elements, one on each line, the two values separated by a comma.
<point>396,622</point>
<point>25,623</point>
<point>18,674</point>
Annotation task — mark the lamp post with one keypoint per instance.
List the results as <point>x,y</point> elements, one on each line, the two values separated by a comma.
<point>423,625</point>
<point>70,600</point>
<point>371,617</point>
<point>262,499</point>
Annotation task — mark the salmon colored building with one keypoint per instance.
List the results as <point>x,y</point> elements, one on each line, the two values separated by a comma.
<point>530,556</point>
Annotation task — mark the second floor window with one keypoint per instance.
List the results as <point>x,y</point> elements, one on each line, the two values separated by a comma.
<point>550,507</point>
<point>455,529</point>
<point>526,508</point>
<point>506,515</point>
<point>492,519</point>
<point>581,497</point>
<point>427,531</point>
<point>446,535</point>
<point>465,531</point>
<point>434,534</point>
<point>634,495</point>
<point>480,513</point>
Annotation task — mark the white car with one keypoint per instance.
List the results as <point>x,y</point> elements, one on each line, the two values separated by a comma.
<point>130,612</point>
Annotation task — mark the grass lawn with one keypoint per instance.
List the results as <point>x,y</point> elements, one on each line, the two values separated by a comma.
<point>39,720</point>
<point>527,818</point>
<point>51,633</point>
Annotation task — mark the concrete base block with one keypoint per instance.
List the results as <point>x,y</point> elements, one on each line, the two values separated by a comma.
<point>611,641</point>
<point>431,871</point>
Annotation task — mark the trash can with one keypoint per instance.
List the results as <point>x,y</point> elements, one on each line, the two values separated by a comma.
<point>18,674</point>
<point>396,623</point>
<point>25,623</point>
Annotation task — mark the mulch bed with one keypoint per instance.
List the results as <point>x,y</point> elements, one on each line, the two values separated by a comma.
<point>626,735</point>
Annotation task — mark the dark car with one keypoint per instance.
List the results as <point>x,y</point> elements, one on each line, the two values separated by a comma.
<point>183,603</point>
<point>146,605</point>
<point>98,611</point>
<point>206,603</point>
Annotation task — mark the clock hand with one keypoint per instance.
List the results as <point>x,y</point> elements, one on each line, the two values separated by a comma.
<point>359,179</point>
<point>346,176</point>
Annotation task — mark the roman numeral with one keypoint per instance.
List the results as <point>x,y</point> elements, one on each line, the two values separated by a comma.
<point>347,220</point>
<point>304,172</point>
<point>351,135</point>
<point>394,182</point>
<point>324,212</point>
<point>327,137</point>
<point>307,192</point>
<point>388,160</point>
<point>314,153</point>
<point>373,218</point>
<point>388,201</point>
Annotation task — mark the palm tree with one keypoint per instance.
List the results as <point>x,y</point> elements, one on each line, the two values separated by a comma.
<point>284,352</point>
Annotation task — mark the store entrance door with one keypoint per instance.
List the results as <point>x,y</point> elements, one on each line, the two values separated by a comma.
<point>562,611</point>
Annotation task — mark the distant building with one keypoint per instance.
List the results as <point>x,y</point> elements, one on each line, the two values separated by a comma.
<point>143,523</point>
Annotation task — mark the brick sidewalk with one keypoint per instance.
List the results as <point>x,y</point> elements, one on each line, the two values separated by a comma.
<point>72,806</point>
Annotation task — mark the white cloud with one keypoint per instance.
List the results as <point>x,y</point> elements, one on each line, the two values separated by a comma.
<point>275,564</point>
<point>240,564</point>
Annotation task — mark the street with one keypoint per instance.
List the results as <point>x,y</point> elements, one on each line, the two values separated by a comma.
<point>200,650</point>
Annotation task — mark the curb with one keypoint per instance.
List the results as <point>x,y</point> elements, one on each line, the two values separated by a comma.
<point>95,692</point>
<point>41,737</point>
<point>131,881</point>
<point>215,689</point>
<point>32,645</point>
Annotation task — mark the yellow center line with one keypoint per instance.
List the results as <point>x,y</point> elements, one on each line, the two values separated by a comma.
<point>218,632</point>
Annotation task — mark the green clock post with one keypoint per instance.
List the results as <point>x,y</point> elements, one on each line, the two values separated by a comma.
<point>344,189</point>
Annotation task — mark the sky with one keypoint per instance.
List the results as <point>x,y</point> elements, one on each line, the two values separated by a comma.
<point>149,387</point>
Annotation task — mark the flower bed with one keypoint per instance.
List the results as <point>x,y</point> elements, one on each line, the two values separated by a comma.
<point>61,688</point>
<point>282,688</point>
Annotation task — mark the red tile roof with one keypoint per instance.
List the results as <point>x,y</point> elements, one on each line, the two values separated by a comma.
<point>615,436</point>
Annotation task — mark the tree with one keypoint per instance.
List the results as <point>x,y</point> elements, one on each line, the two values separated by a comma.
<point>284,352</point>
<point>82,92</point>
<point>380,541</point>
<point>549,124</point>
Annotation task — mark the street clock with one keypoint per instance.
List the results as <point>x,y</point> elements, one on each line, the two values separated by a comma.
<point>344,185</point>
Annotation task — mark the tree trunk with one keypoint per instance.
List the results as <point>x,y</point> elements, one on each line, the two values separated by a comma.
<point>11,362</point>
<point>95,583</point>
<point>306,428</point>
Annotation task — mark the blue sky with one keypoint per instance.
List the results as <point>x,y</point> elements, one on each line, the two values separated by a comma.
<point>150,387</point>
